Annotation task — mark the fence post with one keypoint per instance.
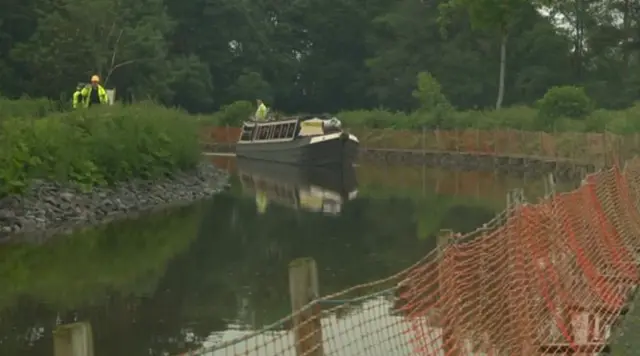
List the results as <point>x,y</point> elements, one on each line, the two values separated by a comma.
<point>226,136</point>
<point>304,288</point>
<point>424,142</point>
<point>73,340</point>
<point>448,339</point>
<point>604,148</point>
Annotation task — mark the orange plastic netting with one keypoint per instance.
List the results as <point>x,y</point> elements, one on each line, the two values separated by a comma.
<point>551,279</point>
<point>546,278</point>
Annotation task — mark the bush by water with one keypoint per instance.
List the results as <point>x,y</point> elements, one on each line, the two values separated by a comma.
<point>99,146</point>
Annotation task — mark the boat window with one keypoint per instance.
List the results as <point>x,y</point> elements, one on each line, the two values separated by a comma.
<point>247,133</point>
<point>264,133</point>
<point>272,129</point>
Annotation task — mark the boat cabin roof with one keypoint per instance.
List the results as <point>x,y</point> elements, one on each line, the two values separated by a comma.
<point>288,120</point>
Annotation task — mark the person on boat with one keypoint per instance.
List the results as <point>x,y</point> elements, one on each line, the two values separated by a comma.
<point>94,93</point>
<point>77,96</point>
<point>261,112</point>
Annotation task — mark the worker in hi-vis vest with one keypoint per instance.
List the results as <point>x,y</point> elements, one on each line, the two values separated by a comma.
<point>261,112</point>
<point>77,96</point>
<point>94,93</point>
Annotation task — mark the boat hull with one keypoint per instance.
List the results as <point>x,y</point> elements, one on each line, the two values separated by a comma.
<point>338,149</point>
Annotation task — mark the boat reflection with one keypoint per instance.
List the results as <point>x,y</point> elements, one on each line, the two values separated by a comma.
<point>315,189</point>
<point>74,339</point>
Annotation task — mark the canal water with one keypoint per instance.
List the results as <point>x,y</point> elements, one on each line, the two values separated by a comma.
<point>175,280</point>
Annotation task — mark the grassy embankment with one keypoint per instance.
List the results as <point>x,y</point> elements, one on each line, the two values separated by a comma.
<point>92,147</point>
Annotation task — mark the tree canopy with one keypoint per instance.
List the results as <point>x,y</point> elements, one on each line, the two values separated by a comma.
<point>322,56</point>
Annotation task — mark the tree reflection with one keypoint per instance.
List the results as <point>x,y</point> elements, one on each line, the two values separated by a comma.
<point>235,267</point>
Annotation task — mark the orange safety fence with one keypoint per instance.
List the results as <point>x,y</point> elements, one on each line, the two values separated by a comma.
<point>220,134</point>
<point>565,145</point>
<point>602,148</point>
<point>551,277</point>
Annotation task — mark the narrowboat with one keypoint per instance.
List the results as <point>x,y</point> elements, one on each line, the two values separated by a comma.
<point>304,140</point>
<point>315,189</point>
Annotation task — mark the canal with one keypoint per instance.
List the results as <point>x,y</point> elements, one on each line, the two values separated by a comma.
<point>169,282</point>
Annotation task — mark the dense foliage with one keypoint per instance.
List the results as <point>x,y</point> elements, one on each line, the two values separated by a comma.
<point>323,56</point>
<point>92,147</point>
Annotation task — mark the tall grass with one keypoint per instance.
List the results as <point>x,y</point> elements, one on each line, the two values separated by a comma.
<point>101,145</point>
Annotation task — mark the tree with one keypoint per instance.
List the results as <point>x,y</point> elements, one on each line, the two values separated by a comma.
<point>108,37</point>
<point>497,16</point>
<point>430,96</point>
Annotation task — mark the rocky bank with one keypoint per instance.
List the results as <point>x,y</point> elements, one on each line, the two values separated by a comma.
<point>50,207</point>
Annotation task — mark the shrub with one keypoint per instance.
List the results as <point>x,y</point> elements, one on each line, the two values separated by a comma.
<point>565,101</point>
<point>102,145</point>
<point>376,119</point>
<point>432,101</point>
<point>234,114</point>
<point>31,108</point>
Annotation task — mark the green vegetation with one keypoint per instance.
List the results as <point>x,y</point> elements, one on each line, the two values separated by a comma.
<point>561,109</point>
<point>92,147</point>
<point>318,56</point>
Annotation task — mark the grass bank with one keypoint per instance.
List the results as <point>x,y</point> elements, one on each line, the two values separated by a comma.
<point>517,118</point>
<point>99,146</point>
<point>524,118</point>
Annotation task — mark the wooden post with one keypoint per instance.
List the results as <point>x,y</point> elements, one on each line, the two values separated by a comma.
<point>304,288</point>
<point>424,142</point>
<point>604,148</point>
<point>424,179</point>
<point>226,137</point>
<point>73,340</point>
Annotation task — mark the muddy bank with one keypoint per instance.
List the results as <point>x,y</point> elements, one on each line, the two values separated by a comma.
<point>565,169</point>
<point>48,208</point>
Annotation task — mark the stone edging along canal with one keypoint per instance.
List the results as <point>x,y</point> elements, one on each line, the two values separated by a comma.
<point>530,164</point>
<point>563,168</point>
<point>49,208</point>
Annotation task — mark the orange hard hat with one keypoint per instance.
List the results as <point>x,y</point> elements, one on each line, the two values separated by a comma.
<point>95,78</point>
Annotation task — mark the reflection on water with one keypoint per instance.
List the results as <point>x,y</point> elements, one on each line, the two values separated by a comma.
<point>171,282</point>
<point>73,340</point>
<point>370,330</point>
<point>313,189</point>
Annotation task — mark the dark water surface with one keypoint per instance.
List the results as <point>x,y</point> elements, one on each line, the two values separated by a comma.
<point>165,283</point>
